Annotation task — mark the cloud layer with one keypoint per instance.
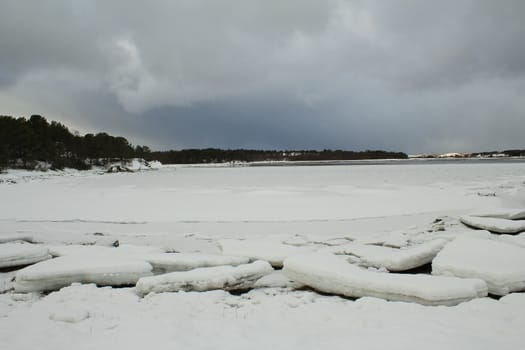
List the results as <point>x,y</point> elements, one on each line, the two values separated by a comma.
<point>400,75</point>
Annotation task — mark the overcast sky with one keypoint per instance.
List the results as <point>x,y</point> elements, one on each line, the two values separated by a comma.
<point>404,75</point>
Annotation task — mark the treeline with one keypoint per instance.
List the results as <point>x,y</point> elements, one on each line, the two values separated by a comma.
<point>25,143</point>
<point>29,143</point>
<point>506,153</point>
<point>214,155</point>
<point>491,154</point>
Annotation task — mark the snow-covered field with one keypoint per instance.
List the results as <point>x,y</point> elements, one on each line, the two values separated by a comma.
<point>137,222</point>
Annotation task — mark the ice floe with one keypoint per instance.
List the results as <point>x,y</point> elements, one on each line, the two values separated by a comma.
<point>206,278</point>
<point>60,272</point>
<point>6,281</point>
<point>16,238</point>
<point>501,265</point>
<point>276,279</point>
<point>271,251</point>
<point>123,250</point>
<point>170,262</point>
<point>329,273</point>
<point>492,224</point>
<point>509,214</point>
<point>396,240</point>
<point>14,254</point>
<point>451,235</point>
<point>392,259</point>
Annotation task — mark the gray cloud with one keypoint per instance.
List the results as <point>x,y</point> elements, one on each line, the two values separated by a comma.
<point>401,75</point>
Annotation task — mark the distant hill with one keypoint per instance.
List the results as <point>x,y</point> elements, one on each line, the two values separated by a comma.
<point>36,143</point>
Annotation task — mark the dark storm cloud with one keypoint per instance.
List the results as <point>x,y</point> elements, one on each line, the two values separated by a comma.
<point>403,75</point>
<point>242,125</point>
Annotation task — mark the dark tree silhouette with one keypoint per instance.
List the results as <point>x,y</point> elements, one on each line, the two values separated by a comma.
<point>24,142</point>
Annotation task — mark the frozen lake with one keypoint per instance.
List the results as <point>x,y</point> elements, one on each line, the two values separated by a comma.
<point>263,200</point>
<point>193,209</point>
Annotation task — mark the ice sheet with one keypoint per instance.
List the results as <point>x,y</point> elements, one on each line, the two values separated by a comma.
<point>206,278</point>
<point>494,224</point>
<point>271,251</point>
<point>502,213</point>
<point>163,263</point>
<point>13,238</point>
<point>60,272</point>
<point>237,194</point>
<point>276,279</point>
<point>392,259</point>
<point>13,254</point>
<point>500,264</point>
<point>331,274</point>
<point>190,209</point>
<point>123,250</point>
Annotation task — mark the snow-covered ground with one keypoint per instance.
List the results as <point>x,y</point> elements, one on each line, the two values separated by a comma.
<point>195,209</point>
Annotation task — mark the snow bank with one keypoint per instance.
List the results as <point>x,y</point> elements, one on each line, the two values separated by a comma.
<point>60,272</point>
<point>13,254</point>
<point>494,224</point>
<point>206,278</point>
<point>170,262</point>
<point>273,252</point>
<point>500,264</point>
<point>331,274</point>
<point>391,258</point>
<point>509,214</point>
